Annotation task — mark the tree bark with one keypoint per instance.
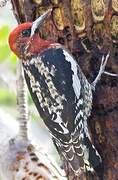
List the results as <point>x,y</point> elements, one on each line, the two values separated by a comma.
<point>89,30</point>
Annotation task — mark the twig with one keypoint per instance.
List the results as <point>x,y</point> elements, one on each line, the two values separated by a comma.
<point>101,71</point>
<point>3,3</point>
<point>22,102</point>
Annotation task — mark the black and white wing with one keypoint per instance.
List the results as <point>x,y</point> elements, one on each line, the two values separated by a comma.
<point>63,99</point>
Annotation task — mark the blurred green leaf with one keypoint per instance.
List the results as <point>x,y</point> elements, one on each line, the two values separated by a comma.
<point>7,98</point>
<point>5,52</point>
<point>35,117</point>
<point>4,47</point>
<point>13,58</point>
<point>30,101</point>
<point>4,33</point>
<point>13,62</point>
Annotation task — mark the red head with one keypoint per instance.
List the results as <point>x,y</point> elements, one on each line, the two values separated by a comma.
<point>25,41</point>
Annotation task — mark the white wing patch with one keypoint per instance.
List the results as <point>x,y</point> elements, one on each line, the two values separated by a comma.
<point>61,124</point>
<point>76,81</point>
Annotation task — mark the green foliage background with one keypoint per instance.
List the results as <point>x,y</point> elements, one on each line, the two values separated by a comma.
<point>7,96</point>
<point>8,77</point>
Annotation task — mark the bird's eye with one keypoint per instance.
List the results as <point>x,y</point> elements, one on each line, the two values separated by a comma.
<point>26,32</point>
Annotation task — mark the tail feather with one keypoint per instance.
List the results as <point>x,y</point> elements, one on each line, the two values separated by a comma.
<point>93,158</point>
<point>91,154</point>
<point>81,155</point>
<point>75,159</point>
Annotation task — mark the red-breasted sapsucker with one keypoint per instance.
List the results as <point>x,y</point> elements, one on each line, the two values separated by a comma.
<point>60,91</point>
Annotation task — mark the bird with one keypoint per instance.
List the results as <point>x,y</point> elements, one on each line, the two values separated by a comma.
<point>60,91</point>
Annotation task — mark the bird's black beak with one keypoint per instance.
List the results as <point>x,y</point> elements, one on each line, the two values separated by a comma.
<point>36,24</point>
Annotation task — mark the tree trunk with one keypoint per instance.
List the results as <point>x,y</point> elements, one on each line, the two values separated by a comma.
<point>89,30</point>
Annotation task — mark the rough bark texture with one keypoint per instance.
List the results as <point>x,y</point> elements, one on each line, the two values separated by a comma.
<point>88,29</point>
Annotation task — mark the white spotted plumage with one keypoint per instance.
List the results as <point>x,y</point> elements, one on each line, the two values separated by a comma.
<point>76,81</point>
<point>64,100</point>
